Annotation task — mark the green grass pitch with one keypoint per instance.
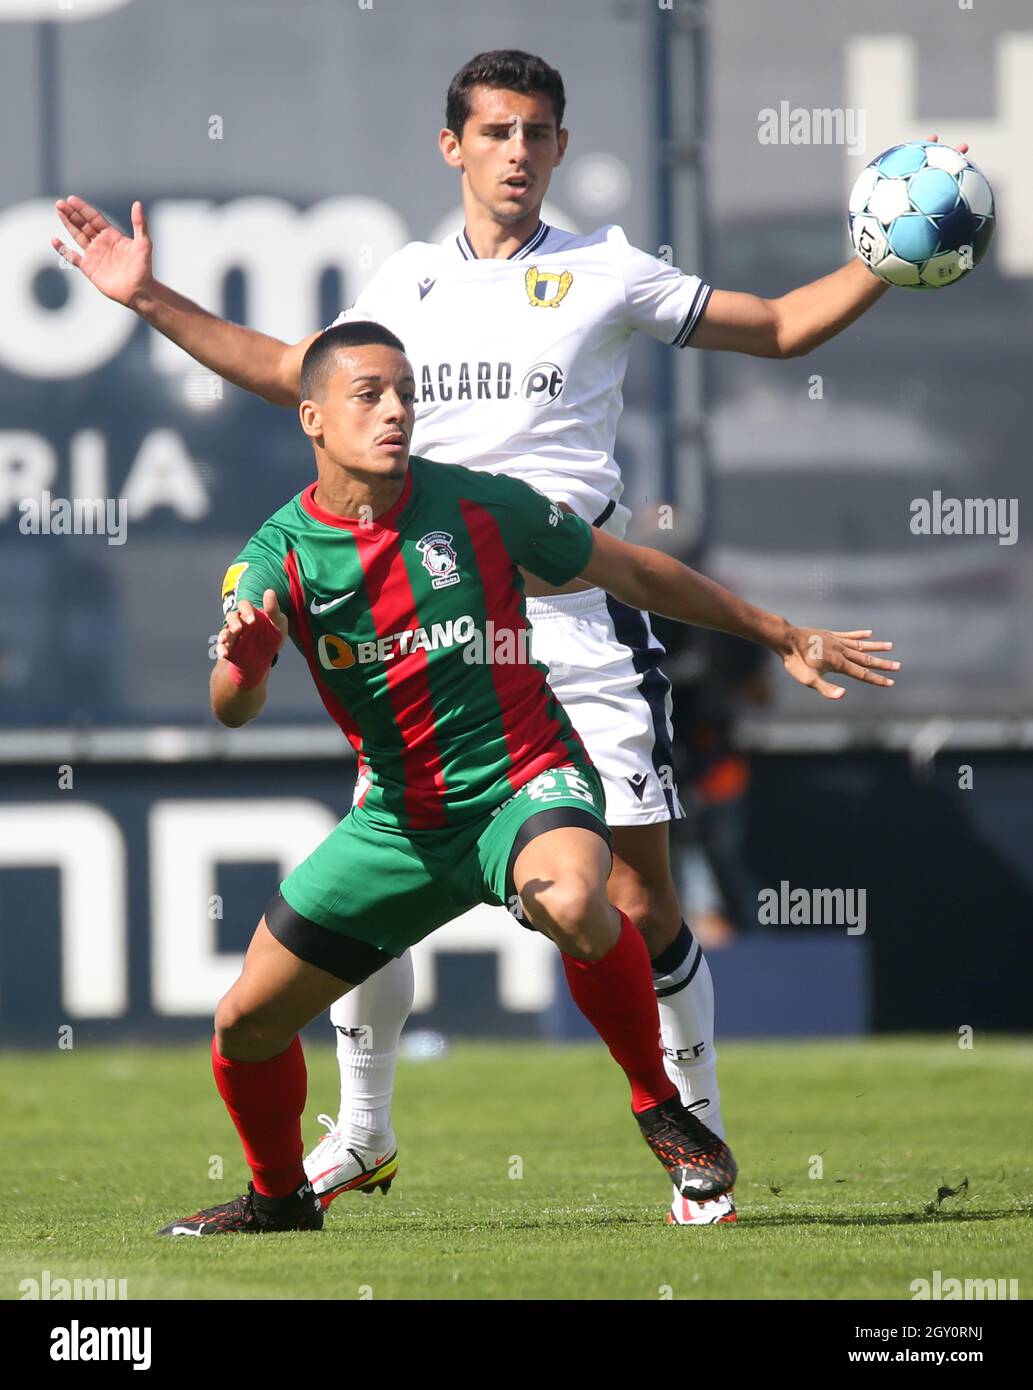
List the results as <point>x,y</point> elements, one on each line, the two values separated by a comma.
<point>523,1176</point>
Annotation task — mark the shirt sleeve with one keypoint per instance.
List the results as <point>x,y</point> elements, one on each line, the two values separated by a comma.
<point>377,299</point>
<point>659,298</point>
<point>255,569</point>
<point>540,535</point>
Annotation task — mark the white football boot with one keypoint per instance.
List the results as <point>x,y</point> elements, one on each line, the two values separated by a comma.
<point>333,1167</point>
<point>718,1211</point>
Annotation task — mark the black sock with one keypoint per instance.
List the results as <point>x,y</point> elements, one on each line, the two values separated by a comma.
<point>672,956</point>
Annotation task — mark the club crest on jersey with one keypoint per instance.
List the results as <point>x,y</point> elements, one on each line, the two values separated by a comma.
<point>545,288</point>
<point>439,559</point>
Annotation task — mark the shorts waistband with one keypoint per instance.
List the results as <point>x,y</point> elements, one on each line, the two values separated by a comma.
<point>563,605</point>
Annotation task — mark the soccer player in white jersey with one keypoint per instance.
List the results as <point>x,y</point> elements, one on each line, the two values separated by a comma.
<point>520,333</point>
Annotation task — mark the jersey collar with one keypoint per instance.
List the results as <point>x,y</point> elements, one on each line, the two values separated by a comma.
<point>386,521</point>
<point>524,249</point>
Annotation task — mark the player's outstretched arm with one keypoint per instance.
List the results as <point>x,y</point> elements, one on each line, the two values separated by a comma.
<point>649,579</point>
<point>246,647</point>
<point>797,322</point>
<point>794,324</point>
<point>120,267</point>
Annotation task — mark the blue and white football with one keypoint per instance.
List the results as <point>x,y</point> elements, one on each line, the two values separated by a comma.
<point>921,216</point>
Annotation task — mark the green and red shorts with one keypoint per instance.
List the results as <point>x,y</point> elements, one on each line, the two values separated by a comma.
<point>373,888</point>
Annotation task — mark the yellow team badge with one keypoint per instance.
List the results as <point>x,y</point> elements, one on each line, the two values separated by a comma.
<point>545,288</point>
<point>229,586</point>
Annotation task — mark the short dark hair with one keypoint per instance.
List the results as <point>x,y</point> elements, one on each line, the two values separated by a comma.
<point>320,358</point>
<point>509,69</point>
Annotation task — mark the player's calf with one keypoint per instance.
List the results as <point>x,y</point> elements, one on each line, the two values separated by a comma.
<point>561,883</point>
<point>641,885</point>
<point>259,1069</point>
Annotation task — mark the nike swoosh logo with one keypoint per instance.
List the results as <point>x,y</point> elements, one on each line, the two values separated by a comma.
<point>317,608</point>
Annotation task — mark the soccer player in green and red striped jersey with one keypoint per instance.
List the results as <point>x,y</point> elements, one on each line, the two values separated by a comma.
<point>400,582</point>
<point>379,608</point>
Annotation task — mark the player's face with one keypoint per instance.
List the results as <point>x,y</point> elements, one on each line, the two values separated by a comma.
<point>365,419</point>
<point>508,150</point>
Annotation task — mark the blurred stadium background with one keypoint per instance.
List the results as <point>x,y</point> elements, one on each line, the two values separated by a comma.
<point>283,152</point>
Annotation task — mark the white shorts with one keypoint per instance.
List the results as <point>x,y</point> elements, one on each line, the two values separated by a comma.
<point>603,664</point>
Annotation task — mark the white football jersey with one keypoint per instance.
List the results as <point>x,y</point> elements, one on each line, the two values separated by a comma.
<point>519,363</point>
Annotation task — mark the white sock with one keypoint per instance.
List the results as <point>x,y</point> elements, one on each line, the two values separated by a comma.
<point>369,1021</point>
<point>685,1000</point>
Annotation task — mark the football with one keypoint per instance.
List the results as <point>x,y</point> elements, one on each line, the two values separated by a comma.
<point>921,216</point>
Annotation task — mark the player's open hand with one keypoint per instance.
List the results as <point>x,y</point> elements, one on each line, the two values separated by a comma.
<point>240,624</point>
<point>809,652</point>
<point>119,266</point>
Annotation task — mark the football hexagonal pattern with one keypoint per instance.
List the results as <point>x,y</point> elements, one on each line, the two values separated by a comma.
<point>921,216</point>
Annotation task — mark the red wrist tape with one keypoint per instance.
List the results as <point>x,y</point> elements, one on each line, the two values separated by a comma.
<point>253,652</point>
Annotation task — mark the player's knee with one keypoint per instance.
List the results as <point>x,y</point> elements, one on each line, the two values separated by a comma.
<point>567,902</point>
<point>245,1034</point>
<point>576,915</point>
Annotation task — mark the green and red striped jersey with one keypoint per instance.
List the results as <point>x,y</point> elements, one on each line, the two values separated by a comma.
<point>414,631</point>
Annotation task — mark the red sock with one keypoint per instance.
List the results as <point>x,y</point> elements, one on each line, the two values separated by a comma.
<point>265,1101</point>
<point>616,995</point>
